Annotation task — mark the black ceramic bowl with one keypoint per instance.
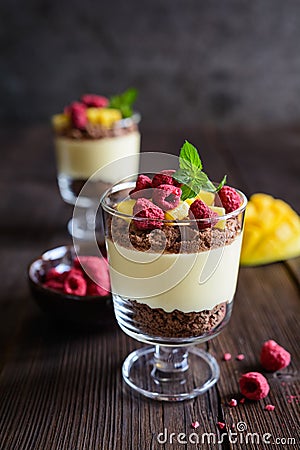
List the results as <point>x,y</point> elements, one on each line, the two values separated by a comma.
<point>84,311</point>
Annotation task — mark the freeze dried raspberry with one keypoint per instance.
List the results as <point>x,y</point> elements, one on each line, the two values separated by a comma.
<point>53,274</point>
<point>55,285</point>
<point>195,424</point>
<point>274,357</point>
<point>253,385</point>
<point>199,210</point>
<point>232,403</point>
<point>269,407</point>
<point>75,284</point>
<point>240,357</point>
<point>166,196</point>
<point>142,188</point>
<point>227,356</point>
<point>145,209</point>
<point>97,101</point>
<point>95,271</point>
<point>221,425</point>
<point>230,199</point>
<point>164,177</point>
<point>78,115</point>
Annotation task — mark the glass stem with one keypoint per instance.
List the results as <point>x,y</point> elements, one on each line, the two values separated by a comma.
<point>169,362</point>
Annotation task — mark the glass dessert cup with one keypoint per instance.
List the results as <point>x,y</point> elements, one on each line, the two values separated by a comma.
<point>172,287</point>
<point>81,173</point>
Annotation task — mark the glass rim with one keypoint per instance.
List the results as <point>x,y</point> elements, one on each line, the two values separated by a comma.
<point>128,121</point>
<point>130,184</point>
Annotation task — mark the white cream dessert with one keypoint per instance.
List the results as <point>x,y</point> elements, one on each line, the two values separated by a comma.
<point>174,253</point>
<point>92,134</point>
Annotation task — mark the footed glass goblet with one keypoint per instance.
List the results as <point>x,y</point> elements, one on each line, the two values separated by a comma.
<point>173,284</point>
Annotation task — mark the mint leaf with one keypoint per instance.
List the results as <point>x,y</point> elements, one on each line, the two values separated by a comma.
<point>124,102</point>
<point>189,157</point>
<point>221,183</point>
<point>187,192</point>
<point>191,175</point>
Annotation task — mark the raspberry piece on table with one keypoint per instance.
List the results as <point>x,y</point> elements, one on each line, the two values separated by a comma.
<point>142,188</point>
<point>230,198</point>
<point>232,403</point>
<point>274,357</point>
<point>54,284</point>
<point>165,177</point>
<point>195,424</point>
<point>95,271</point>
<point>254,386</point>
<point>145,209</point>
<point>199,210</point>
<point>269,407</point>
<point>75,283</point>
<point>97,101</point>
<point>78,114</point>
<point>227,356</point>
<point>240,357</point>
<point>221,425</point>
<point>166,196</point>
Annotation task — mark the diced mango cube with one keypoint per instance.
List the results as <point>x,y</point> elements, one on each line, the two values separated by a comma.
<point>126,207</point>
<point>61,121</point>
<point>221,212</point>
<point>179,213</point>
<point>207,197</point>
<point>108,116</point>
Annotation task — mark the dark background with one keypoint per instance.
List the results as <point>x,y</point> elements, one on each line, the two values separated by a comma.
<point>226,62</point>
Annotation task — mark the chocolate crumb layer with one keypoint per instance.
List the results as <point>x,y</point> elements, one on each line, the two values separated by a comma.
<point>92,132</point>
<point>176,324</point>
<point>173,239</point>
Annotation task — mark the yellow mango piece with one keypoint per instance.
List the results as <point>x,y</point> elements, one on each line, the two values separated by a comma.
<point>207,197</point>
<point>272,231</point>
<point>93,115</point>
<point>221,212</point>
<point>179,213</point>
<point>189,201</point>
<point>108,116</point>
<point>126,207</point>
<point>60,121</point>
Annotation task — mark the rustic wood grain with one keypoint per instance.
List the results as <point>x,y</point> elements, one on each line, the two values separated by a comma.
<point>61,388</point>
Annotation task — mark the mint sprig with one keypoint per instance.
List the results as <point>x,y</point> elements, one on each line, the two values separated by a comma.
<point>191,175</point>
<point>124,102</point>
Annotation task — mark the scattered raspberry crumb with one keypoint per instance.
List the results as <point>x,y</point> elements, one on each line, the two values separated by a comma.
<point>227,356</point>
<point>270,407</point>
<point>242,400</point>
<point>291,398</point>
<point>230,198</point>
<point>145,209</point>
<point>240,357</point>
<point>142,188</point>
<point>274,357</point>
<point>254,386</point>
<point>195,424</point>
<point>232,403</point>
<point>233,425</point>
<point>221,425</point>
<point>166,196</point>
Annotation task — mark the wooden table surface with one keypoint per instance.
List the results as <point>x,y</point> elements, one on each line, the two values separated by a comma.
<point>62,389</point>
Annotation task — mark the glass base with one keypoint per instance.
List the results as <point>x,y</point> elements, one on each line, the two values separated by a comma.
<point>170,374</point>
<point>83,228</point>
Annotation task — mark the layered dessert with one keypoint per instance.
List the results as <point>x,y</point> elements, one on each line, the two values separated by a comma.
<point>174,243</point>
<point>89,135</point>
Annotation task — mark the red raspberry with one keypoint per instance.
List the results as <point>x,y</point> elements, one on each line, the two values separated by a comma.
<point>55,285</point>
<point>274,357</point>
<point>145,209</point>
<point>199,210</point>
<point>142,188</point>
<point>95,271</point>
<point>78,115</point>
<point>74,283</point>
<point>230,198</point>
<point>53,274</point>
<point>253,385</point>
<point>93,100</point>
<point>166,196</point>
<point>164,177</point>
